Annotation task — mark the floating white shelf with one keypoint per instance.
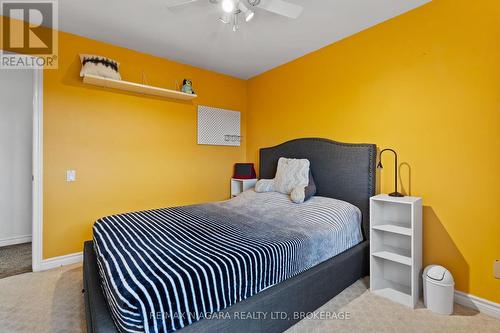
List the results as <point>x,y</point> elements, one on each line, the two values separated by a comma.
<point>136,87</point>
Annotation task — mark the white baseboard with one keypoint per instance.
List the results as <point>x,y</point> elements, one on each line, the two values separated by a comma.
<point>67,259</point>
<point>480,304</point>
<point>15,240</point>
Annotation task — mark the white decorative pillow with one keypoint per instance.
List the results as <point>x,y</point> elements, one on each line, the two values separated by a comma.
<point>291,173</point>
<point>99,66</point>
<point>264,185</point>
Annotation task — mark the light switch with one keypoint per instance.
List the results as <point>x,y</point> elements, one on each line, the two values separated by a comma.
<point>496,269</point>
<point>70,175</point>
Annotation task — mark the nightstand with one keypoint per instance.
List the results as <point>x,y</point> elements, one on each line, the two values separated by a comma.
<point>241,185</point>
<point>396,248</point>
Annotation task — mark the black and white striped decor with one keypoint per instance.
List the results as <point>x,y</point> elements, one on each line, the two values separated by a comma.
<point>167,268</point>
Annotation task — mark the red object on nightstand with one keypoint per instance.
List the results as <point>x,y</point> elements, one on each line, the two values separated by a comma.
<point>244,171</point>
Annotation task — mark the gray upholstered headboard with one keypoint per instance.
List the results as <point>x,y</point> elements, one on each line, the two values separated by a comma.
<point>341,170</point>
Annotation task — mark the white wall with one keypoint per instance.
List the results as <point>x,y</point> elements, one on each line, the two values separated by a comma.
<point>16,131</point>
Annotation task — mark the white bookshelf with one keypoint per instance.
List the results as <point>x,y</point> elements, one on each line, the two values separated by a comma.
<point>396,248</point>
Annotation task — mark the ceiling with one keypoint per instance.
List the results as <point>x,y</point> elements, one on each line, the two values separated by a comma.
<point>192,34</point>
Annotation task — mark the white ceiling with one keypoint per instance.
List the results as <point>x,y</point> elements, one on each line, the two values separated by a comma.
<point>192,34</point>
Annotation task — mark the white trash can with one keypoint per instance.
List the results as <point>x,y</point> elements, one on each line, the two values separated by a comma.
<point>438,289</point>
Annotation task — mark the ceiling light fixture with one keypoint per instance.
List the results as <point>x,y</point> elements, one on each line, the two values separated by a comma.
<point>225,18</point>
<point>228,6</point>
<point>249,15</point>
<point>233,12</point>
<point>235,22</point>
<point>247,12</point>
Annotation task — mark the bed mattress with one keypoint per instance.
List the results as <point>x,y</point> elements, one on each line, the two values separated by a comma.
<point>164,269</point>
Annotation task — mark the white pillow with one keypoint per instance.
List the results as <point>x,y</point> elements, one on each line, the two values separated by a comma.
<point>99,66</point>
<point>291,173</point>
<point>264,185</point>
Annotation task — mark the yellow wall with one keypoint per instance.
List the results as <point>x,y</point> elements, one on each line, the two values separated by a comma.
<point>130,152</point>
<point>426,83</point>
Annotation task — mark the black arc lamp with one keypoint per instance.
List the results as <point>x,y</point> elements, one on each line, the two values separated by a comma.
<point>379,165</point>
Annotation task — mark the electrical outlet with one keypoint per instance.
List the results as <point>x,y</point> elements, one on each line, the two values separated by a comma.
<point>70,175</point>
<point>496,269</point>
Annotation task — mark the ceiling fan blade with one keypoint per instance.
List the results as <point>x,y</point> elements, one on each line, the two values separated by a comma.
<point>178,3</point>
<point>281,7</point>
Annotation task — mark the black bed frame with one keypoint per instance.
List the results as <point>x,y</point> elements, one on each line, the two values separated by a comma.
<point>342,171</point>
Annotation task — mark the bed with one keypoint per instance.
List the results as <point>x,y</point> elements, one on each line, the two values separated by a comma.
<point>261,278</point>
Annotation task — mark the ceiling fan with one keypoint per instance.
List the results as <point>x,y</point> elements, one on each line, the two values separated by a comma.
<point>233,10</point>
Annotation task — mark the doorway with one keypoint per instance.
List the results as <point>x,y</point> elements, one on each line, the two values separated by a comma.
<point>20,116</point>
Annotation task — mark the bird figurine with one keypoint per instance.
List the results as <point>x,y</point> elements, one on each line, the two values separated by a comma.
<point>187,87</point>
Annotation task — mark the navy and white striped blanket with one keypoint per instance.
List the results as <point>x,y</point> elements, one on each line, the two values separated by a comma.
<point>167,268</point>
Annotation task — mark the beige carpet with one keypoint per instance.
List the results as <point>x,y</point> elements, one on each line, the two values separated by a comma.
<point>52,301</point>
<point>15,259</point>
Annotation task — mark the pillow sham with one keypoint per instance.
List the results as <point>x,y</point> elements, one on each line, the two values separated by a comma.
<point>291,173</point>
<point>99,66</point>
